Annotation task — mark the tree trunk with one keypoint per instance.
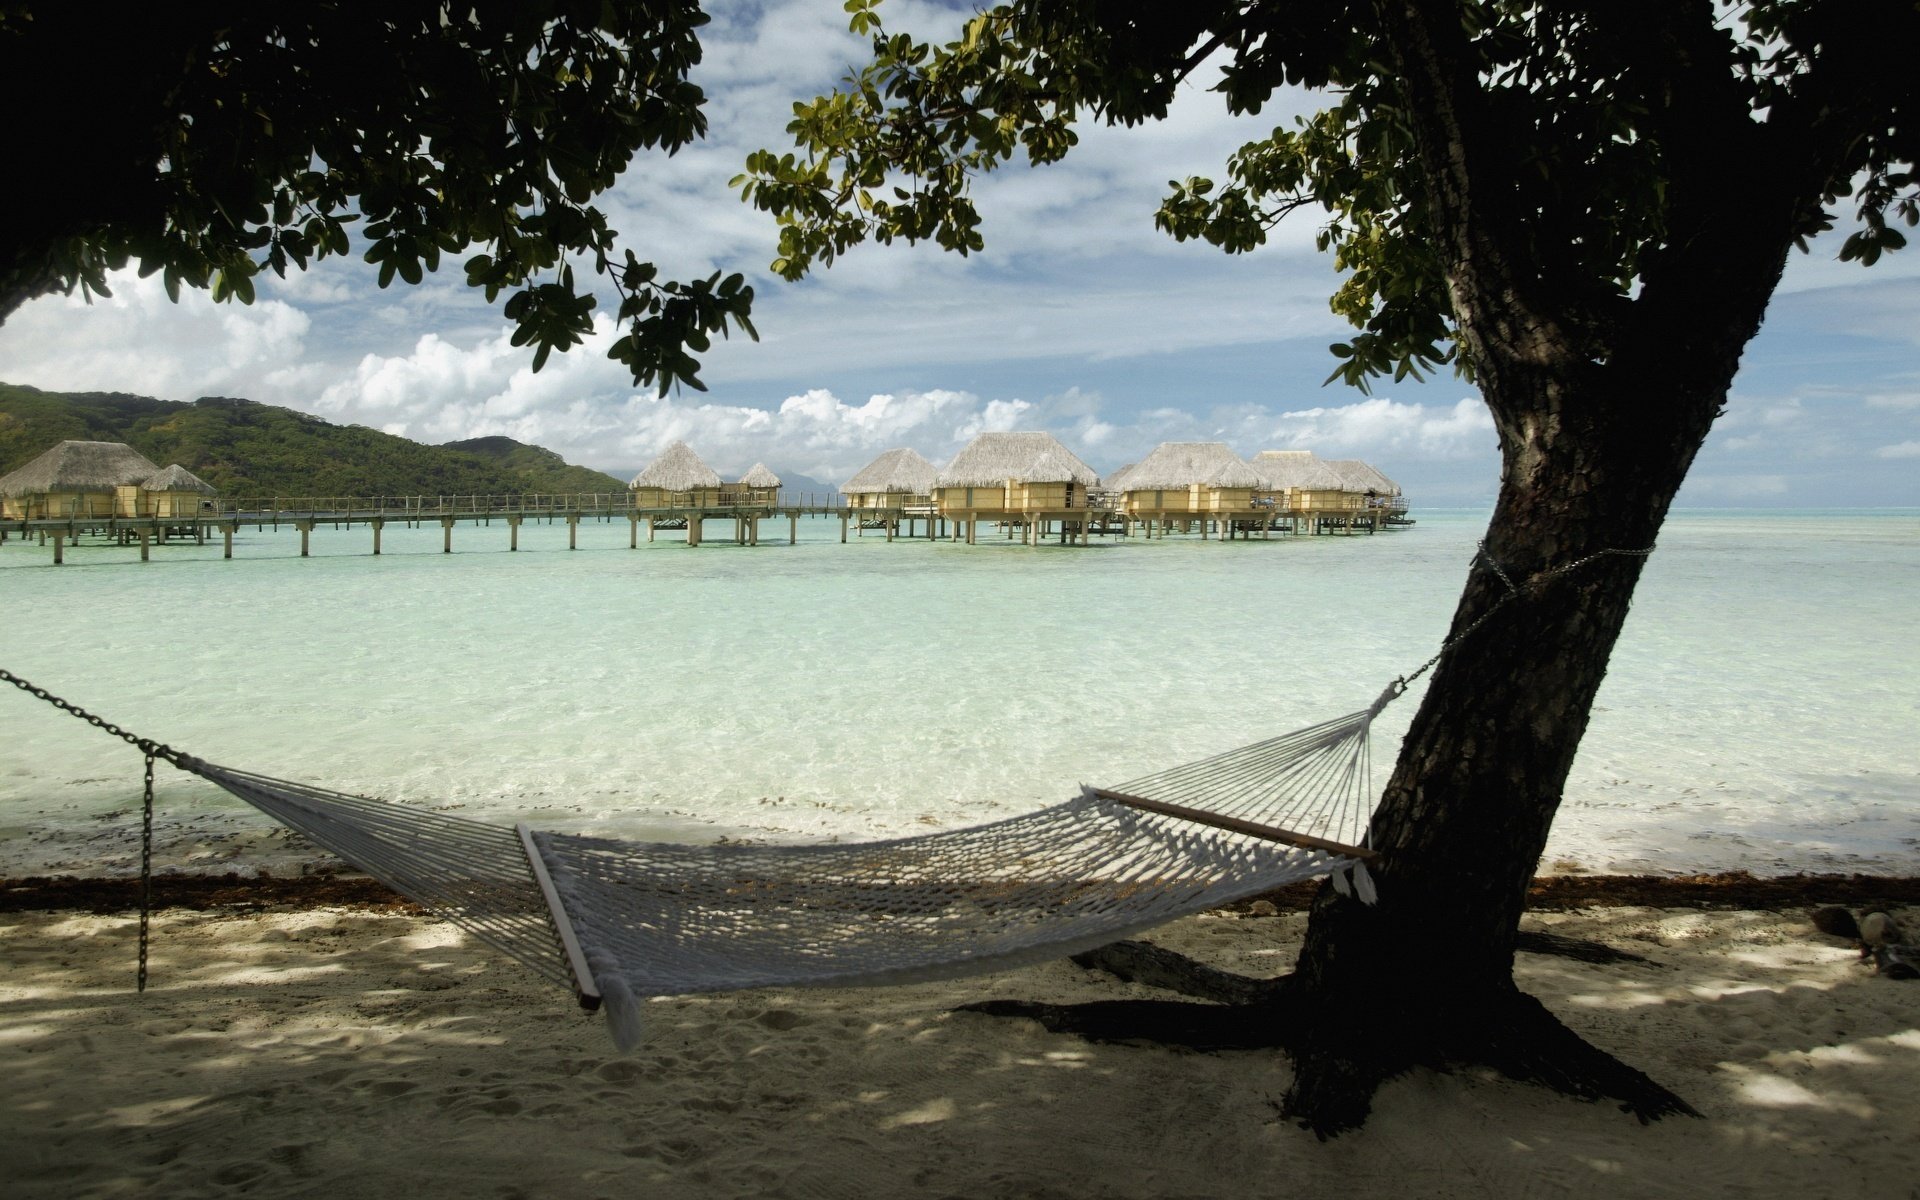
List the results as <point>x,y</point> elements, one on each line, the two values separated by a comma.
<point>1593,454</point>
<point>1426,975</point>
<point>1600,413</point>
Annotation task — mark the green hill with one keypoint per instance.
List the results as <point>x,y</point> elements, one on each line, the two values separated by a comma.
<point>244,448</point>
<point>537,462</point>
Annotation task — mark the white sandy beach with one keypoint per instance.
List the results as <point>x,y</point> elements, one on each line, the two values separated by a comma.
<point>343,1053</point>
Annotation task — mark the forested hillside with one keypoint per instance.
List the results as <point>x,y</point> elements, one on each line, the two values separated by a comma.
<point>244,448</point>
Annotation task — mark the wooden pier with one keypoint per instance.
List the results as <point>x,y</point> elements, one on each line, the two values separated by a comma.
<point>743,521</point>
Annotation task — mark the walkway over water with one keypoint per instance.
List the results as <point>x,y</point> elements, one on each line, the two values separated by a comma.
<point>1079,525</point>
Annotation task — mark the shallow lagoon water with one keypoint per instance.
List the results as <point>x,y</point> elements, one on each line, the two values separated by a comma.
<point>1761,711</point>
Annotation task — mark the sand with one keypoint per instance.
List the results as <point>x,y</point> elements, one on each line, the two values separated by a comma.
<point>345,1052</point>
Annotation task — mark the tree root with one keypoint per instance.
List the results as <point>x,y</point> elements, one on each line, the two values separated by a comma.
<point>1536,942</point>
<point>1343,1052</point>
<point>1531,1045</point>
<point>1154,966</point>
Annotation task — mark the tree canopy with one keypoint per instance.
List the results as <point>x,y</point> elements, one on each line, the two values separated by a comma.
<point>210,141</point>
<point>1599,139</point>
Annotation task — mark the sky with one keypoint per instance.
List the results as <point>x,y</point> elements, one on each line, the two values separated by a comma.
<point>1079,319</point>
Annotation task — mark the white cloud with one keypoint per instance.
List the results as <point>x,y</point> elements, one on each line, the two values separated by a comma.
<point>1379,426</point>
<point>1894,400</point>
<point>137,340</point>
<point>1900,450</point>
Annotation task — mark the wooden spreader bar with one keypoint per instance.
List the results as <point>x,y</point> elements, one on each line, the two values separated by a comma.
<point>1237,825</point>
<point>583,981</point>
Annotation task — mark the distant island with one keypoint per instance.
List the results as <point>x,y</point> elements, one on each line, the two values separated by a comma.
<point>245,448</point>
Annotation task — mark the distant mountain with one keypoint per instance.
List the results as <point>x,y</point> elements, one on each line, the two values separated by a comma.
<point>537,462</point>
<point>244,448</point>
<point>793,485</point>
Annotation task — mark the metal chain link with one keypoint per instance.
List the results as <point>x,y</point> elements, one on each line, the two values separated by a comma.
<point>146,872</point>
<point>145,745</point>
<point>152,750</point>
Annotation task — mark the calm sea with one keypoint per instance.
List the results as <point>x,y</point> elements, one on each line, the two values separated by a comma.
<point>1763,709</point>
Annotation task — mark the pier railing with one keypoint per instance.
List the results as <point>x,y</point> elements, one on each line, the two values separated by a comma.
<point>470,503</point>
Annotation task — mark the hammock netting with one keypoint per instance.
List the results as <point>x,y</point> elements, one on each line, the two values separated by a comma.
<point>620,920</point>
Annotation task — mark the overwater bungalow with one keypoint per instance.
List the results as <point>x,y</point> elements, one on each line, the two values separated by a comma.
<point>1305,488</point>
<point>898,479</point>
<point>1383,495</point>
<point>1025,479</point>
<point>172,491</point>
<point>758,487</point>
<point>1187,480</point>
<point>1112,486</point>
<point>677,479</point>
<point>77,479</point>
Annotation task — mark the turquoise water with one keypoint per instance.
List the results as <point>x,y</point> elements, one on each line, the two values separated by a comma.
<point>1762,710</point>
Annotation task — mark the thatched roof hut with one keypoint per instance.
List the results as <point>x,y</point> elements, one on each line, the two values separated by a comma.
<point>172,492</point>
<point>74,467</point>
<point>1014,473</point>
<point>1031,457</point>
<point>1364,476</point>
<point>678,469</point>
<point>1306,484</point>
<point>176,478</point>
<point>759,477</point>
<point>899,470</point>
<point>75,479</point>
<point>1296,470</point>
<point>1178,466</point>
<point>1115,480</point>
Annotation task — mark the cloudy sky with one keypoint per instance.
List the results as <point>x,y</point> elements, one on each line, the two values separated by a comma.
<point>1079,319</point>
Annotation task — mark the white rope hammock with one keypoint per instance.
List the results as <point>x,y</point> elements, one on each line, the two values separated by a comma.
<point>619,920</point>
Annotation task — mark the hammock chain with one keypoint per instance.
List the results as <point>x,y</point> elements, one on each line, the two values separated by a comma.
<point>152,750</point>
<point>1514,592</point>
<point>146,871</point>
<point>147,746</point>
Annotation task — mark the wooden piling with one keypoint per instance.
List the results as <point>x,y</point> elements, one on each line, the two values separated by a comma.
<point>59,547</point>
<point>446,535</point>
<point>143,544</point>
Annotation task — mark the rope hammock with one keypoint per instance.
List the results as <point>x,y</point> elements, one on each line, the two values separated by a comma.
<point>620,920</point>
